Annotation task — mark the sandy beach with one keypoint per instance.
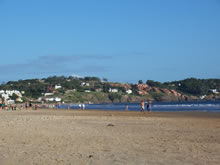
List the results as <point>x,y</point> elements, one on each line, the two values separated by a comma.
<point>70,137</point>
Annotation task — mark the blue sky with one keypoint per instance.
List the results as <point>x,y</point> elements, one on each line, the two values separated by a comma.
<point>122,40</point>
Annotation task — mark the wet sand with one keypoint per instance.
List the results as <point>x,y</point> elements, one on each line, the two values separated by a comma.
<point>67,137</point>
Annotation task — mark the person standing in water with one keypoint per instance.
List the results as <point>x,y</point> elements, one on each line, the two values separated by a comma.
<point>126,108</point>
<point>83,106</point>
<point>148,106</point>
<point>142,106</point>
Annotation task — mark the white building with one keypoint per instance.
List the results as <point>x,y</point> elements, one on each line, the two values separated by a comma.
<point>9,93</point>
<point>58,86</point>
<point>85,84</point>
<point>19,100</point>
<point>48,94</point>
<point>129,91</point>
<point>57,99</point>
<point>98,90</point>
<point>5,96</point>
<point>214,91</point>
<point>113,90</point>
<point>49,99</point>
<point>10,101</point>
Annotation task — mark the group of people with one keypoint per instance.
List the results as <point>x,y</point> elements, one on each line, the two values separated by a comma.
<point>82,106</point>
<point>13,107</point>
<point>143,106</point>
<point>3,106</point>
<point>31,106</point>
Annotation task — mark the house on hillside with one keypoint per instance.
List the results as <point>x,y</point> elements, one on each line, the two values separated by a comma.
<point>10,101</point>
<point>214,91</point>
<point>19,100</point>
<point>7,95</point>
<point>87,91</point>
<point>129,91</point>
<point>57,99</point>
<point>98,89</point>
<point>85,84</point>
<point>58,86</point>
<point>113,90</point>
<point>48,94</point>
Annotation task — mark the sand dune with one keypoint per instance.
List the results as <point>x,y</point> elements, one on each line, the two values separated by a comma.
<point>96,137</point>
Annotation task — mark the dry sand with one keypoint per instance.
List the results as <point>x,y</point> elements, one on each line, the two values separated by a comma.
<point>67,137</point>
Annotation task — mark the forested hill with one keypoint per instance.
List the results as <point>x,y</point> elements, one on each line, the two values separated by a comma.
<point>93,89</point>
<point>191,86</point>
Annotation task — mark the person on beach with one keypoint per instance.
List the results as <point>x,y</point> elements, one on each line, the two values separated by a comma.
<point>148,107</point>
<point>3,105</point>
<point>126,108</point>
<point>30,105</point>
<point>26,106</point>
<point>83,106</point>
<point>14,107</point>
<point>57,105</point>
<point>142,106</point>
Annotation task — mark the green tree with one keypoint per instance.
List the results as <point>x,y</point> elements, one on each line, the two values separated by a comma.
<point>140,82</point>
<point>14,96</point>
<point>114,96</point>
<point>154,83</point>
<point>105,79</point>
<point>106,87</point>
<point>92,79</point>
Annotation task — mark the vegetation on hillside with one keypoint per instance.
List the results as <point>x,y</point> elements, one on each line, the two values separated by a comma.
<point>190,86</point>
<point>74,89</point>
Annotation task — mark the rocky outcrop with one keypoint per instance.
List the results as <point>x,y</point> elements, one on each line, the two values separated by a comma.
<point>147,92</point>
<point>162,94</point>
<point>143,89</point>
<point>157,90</point>
<point>166,91</point>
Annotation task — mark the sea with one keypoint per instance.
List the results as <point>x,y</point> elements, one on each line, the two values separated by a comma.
<point>205,106</point>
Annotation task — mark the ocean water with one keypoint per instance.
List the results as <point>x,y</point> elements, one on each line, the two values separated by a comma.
<point>212,106</point>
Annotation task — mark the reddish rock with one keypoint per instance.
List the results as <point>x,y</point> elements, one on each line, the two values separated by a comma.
<point>175,93</point>
<point>143,89</point>
<point>166,91</point>
<point>142,92</point>
<point>156,90</point>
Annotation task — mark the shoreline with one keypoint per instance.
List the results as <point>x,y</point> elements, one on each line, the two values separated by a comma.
<point>95,112</point>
